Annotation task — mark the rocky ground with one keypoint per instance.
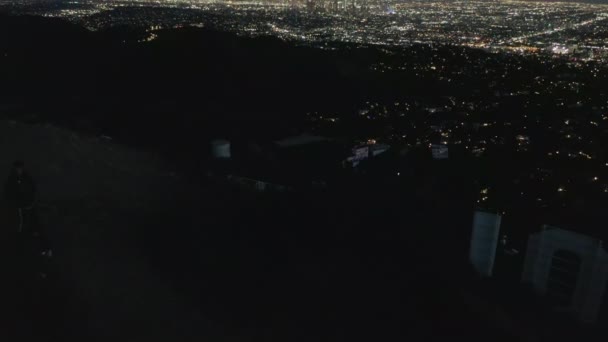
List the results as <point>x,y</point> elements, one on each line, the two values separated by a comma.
<point>96,197</point>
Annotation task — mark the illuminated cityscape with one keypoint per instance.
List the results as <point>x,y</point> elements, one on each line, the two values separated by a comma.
<point>305,170</point>
<point>575,30</point>
<point>533,88</point>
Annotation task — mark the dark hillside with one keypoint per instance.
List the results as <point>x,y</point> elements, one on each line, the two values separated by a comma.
<point>149,247</point>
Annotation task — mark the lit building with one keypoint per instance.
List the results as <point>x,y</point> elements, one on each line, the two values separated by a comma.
<point>439,152</point>
<point>369,150</point>
<point>569,268</point>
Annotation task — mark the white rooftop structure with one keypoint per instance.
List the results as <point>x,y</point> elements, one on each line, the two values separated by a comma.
<point>377,149</point>
<point>221,149</point>
<point>439,152</point>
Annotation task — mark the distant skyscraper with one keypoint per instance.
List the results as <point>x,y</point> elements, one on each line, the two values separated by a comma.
<point>569,268</point>
<point>484,241</point>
